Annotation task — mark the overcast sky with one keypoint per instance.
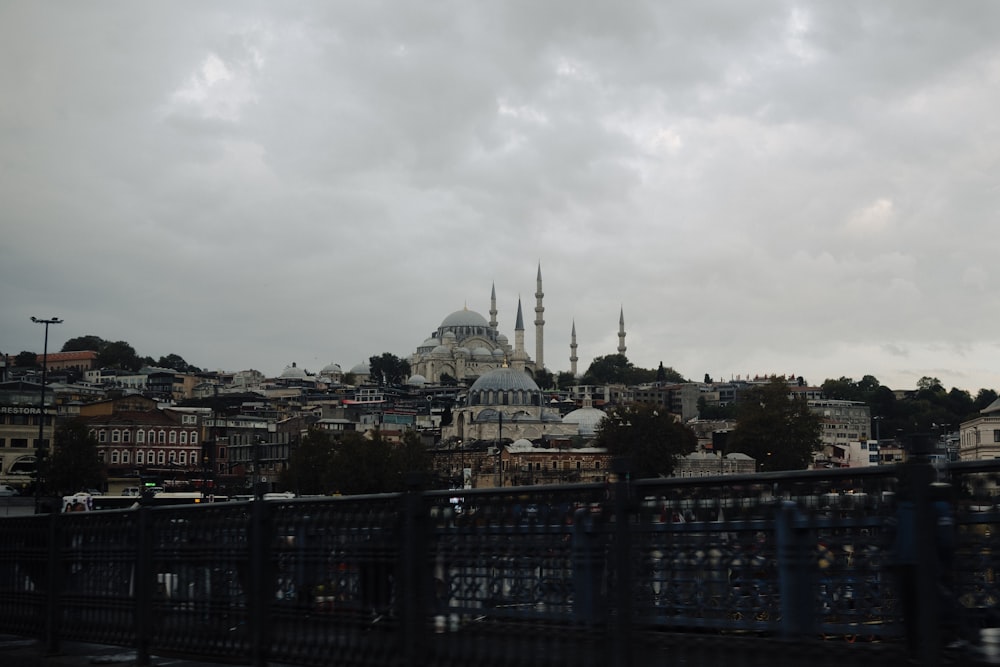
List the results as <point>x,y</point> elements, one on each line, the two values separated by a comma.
<point>761,187</point>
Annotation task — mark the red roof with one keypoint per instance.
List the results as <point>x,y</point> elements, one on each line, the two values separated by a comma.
<point>82,355</point>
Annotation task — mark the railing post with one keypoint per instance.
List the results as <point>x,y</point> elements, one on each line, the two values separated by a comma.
<point>144,584</point>
<point>588,569</point>
<point>928,608</point>
<point>53,585</point>
<point>411,597</point>
<point>622,621</point>
<point>795,574</point>
<point>261,582</point>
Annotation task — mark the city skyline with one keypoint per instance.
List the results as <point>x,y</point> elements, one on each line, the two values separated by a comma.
<point>766,189</point>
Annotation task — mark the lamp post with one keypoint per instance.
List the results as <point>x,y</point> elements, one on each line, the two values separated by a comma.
<point>40,444</point>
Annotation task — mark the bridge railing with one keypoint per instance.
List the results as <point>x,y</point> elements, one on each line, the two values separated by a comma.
<point>582,574</point>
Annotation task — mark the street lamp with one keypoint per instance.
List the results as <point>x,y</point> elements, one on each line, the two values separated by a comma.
<point>40,444</point>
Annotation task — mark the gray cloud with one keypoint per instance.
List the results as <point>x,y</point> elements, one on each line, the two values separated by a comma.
<point>766,189</point>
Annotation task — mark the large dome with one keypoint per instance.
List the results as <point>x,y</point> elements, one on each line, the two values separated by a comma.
<point>504,379</point>
<point>586,420</point>
<point>465,318</point>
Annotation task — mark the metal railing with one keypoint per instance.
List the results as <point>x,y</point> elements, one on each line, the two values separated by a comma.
<point>760,569</point>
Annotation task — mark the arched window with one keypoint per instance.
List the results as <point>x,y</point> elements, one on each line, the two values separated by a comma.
<point>184,437</point>
<point>173,437</point>
<point>152,437</point>
<point>194,438</point>
<point>126,436</point>
<point>182,458</point>
<point>140,436</point>
<point>139,458</point>
<point>114,456</point>
<point>161,437</point>
<point>160,457</point>
<point>125,456</point>
<point>173,456</point>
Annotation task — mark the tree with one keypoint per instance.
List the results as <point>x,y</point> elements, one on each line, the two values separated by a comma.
<point>388,369</point>
<point>118,355</point>
<point>983,399</point>
<point>565,380</point>
<point>26,359</point>
<point>775,428</point>
<point>311,465</point>
<point>544,379</point>
<point>83,343</point>
<point>609,369</point>
<point>73,465</point>
<point>177,363</point>
<point>651,438</point>
<point>931,383</point>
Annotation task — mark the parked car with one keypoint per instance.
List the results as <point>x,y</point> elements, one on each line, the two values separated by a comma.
<point>130,491</point>
<point>7,490</point>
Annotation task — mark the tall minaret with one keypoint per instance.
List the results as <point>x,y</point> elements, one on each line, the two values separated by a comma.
<point>539,322</point>
<point>519,355</point>
<point>493,308</point>
<point>621,331</point>
<point>572,351</point>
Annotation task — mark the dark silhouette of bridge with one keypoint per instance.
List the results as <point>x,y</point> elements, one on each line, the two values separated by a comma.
<point>768,569</point>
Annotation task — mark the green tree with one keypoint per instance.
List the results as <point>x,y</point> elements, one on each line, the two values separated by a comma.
<point>544,379</point>
<point>775,428</point>
<point>565,380</point>
<point>311,465</point>
<point>649,437</point>
<point>388,369</point>
<point>983,399</point>
<point>118,355</point>
<point>84,343</point>
<point>73,465</point>
<point>26,359</point>
<point>929,383</point>
<point>177,363</point>
<point>609,369</point>
<point>409,457</point>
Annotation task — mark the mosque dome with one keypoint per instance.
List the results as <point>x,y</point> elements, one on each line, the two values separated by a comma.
<point>586,420</point>
<point>504,379</point>
<point>416,381</point>
<point>331,369</point>
<point>462,351</point>
<point>464,318</point>
<point>521,445</point>
<point>293,372</point>
<point>364,368</point>
<point>481,353</point>
<point>440,350</point>
<point>498,353</point>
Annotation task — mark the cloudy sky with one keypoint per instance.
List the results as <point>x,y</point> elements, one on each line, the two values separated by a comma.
<point>761,187</point>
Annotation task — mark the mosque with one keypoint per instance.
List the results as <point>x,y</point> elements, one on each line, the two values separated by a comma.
<point>466,346</point>
<point>503,401</point>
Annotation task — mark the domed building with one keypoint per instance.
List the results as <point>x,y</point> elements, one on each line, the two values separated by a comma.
<point>586,418</point>
<point>503,404</point>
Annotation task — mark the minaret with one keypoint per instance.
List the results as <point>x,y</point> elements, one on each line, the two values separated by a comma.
<point>493,308</point>
<point>539,322</point>
<point>572,351</point>
<point>621,331</point>
<point>519,355</point>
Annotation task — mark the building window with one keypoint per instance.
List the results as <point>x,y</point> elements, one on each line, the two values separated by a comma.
<point>161,437</point>
<point>126,436</point>
<point>125,456</point>
<point>18,442</point>
<point>151,457</point>
<point>173,437</point>
<point>140,436</point>
<point>114,456</point>
<point>160,457</point>
<point>102,436</point>
<point>182,458</point>
<point>116,436</point>
<point>996,435</point>
<point>194,437</point>
<point>173,456</point>
<point>138,456</point>
<point>221,453</point>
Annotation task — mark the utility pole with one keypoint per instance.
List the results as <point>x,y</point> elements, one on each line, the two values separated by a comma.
<point>40,448</point>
